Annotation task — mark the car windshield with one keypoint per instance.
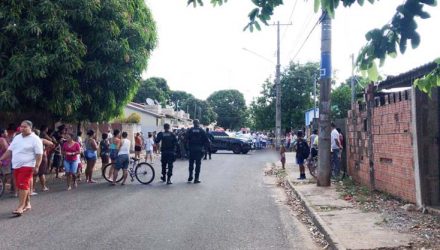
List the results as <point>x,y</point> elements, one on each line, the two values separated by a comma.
<point>218,133</point>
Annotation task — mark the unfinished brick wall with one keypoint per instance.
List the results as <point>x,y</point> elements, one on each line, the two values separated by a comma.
<point>392,145</point>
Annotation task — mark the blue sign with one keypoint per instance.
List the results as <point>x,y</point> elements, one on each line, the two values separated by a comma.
<point>326,65</point>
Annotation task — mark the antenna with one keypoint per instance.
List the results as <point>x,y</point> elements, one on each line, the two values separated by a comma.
<point>150,101</point>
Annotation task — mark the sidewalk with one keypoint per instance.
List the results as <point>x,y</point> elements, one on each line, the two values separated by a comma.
<point>344,226</point>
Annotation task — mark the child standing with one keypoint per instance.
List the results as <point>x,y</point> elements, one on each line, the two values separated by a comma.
<point>302,152</point>
<point>283,156</point>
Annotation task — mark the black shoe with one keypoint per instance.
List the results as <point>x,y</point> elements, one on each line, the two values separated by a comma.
<point>204,159</point>
<point>196,181</point>
<point>169,182</point>
<point>302,177</point>
<point>162,178</point>
<point>190,179</point>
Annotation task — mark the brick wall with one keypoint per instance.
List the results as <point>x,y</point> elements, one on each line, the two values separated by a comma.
<point>392,145</point>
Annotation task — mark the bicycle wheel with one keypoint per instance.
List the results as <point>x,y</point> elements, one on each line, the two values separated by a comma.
<point>106,171</point>
<point>2,185</point>
<point>144,173</point>
<point>312,165</point>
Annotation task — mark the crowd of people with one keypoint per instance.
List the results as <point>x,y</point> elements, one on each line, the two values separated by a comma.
<point>27,153</point>
<point>307,149</point>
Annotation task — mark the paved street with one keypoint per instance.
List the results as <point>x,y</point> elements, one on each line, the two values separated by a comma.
<point>235,207</point>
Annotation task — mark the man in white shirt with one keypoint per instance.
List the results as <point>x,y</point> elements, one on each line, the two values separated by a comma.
<point>336,147</point>
<point>26,150</point>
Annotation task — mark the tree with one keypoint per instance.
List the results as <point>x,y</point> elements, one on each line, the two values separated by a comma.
<point>381,42</point>
<point>155,88</point>
<point>75,59</point>
<point>230,107</point>
<point>178,98</point>
<point>199,109</point>
<point>296,87</point>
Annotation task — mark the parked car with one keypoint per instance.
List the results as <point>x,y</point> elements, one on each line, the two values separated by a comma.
<point>222,141</point>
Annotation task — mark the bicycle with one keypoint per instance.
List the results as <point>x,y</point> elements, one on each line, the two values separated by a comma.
<point>143,172</point>
<point>312,165</point>
<point>2,182</point>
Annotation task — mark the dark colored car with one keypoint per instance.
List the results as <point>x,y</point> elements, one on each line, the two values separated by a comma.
<point>222,141</point>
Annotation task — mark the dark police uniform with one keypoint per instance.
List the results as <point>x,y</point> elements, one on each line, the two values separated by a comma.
<point>208,146</point>
<point>168,150</point>
<point>196,140</point>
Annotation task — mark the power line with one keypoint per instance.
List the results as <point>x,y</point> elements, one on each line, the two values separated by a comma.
<point>299,37</point>
<point>307,38</point>
<point>290,19</point>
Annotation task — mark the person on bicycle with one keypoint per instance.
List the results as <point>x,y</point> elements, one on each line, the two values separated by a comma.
<point>302,152</point>
<point>168,150</point>
<point>314,144</point>
<point>196,140</point>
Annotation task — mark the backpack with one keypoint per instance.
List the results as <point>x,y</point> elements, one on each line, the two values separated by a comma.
<point>303,149</point>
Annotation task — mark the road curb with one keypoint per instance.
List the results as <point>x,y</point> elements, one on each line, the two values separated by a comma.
<point>331,238</point>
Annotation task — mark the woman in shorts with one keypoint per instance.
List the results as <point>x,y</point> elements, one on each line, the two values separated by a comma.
<point>104,149</point>
<point>90,154</point>
<point>123,159</point>
<point>149,143</point>
<point>114,145</point>
<point>71,150</point>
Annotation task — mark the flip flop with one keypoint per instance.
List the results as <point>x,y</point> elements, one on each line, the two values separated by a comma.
<point>16,213</point>
<point>27,209</point>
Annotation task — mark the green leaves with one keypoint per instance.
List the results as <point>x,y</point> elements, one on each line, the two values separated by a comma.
<point>230,107</point>
<point>430,81</point>
<point>68,58</point>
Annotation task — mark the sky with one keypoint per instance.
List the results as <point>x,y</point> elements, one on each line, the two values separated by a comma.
<point>204,49</point>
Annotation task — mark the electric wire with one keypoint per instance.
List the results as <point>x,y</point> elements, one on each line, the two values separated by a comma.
<point>307,38</point>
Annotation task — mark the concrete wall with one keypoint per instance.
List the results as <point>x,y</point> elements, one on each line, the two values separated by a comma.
<point>392,165</point>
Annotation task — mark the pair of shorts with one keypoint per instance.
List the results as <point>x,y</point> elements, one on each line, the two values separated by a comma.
<point>43,166</point>
<point>6,168</point>
<point>57,161</point>
<point>23,177</point>
<point>71,166</point>
<point>299,160</point>
<point>122,162</point>
<point>113,154</point>
<point>137,148</point>
<point>149,152</point>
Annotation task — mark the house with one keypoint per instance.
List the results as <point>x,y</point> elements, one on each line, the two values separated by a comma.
<point>151,117</point>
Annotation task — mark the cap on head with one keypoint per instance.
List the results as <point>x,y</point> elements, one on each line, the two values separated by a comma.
<point>166,126</point>
<point>299,133</point>
<point>196,122</point>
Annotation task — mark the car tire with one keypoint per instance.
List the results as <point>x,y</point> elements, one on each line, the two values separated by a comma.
<point>236,149</point>
<point>214,151</point>
<point>245,152</point>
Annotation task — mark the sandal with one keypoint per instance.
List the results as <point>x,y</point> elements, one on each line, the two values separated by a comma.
<point>17,213</point>
<point>27,209</point>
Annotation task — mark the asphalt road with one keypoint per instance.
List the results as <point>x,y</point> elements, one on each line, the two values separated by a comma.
<point>235,207</point>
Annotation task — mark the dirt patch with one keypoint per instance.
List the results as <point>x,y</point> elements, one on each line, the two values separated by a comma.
<point>297,206</point>
<point>425,227</point>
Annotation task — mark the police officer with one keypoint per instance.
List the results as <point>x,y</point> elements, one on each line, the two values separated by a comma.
<point>208,146</point>
<point>168,149</point>
<point>196,140</point>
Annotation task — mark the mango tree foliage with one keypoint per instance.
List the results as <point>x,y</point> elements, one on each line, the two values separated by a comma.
<point>297,97</point>
<point>75,59</point>
<point>155,88</point>
<point>230,107</point>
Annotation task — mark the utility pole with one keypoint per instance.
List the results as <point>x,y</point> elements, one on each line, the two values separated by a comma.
<point>278,91</point>
<point>324,168</point>
<point>353,91</point>
<point>314,98</point>
<point>195,110</point>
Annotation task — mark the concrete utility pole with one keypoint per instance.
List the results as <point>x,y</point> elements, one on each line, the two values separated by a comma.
<point>278,91</point>
<point>324,168</point>
<point>353,91</point>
